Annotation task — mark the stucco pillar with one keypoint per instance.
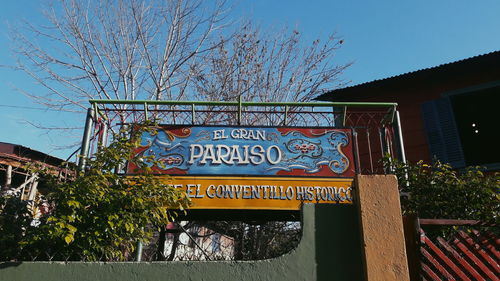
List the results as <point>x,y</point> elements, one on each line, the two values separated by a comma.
<point>382,228</point>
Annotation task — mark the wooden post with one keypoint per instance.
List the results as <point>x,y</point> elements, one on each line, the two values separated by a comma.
<point>33,190</point>
<point>412,242</point>
<point>8,176</point>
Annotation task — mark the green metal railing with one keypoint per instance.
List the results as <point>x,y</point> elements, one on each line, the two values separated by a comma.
<point>284,114</point>
<point>240,104</point>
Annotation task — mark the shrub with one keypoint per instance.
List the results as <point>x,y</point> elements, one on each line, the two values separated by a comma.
<point>99,215</point>
<point>440,192</point>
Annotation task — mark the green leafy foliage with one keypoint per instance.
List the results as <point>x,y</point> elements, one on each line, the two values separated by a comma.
<point>437,191</point>
<point>15,218</point>
<point>99,215</point>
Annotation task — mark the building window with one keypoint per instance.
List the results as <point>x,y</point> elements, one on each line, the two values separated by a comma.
<point>462,128</point>
<point>477,119</point>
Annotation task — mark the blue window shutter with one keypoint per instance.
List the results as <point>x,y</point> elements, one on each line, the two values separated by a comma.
<point>442,133</point>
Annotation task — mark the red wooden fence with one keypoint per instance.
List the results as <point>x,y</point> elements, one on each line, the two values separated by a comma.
<point>471,255</point>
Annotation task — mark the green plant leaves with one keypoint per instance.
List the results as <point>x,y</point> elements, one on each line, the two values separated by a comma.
<point>437,191</point>
<point>97,214</point>
<point>69,238</point>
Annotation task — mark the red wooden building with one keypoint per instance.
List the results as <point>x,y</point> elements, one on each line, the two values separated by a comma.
<point>448,112</point>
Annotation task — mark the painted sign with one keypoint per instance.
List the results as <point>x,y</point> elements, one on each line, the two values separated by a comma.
<point>252,151</point>
<point>261,193</point>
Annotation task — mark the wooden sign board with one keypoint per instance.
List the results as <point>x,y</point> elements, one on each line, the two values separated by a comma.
<point>252,168</point>
<point>249,151</point>
<point>261,193</point>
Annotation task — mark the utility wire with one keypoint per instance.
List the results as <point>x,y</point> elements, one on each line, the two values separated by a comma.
<point>34,108</point>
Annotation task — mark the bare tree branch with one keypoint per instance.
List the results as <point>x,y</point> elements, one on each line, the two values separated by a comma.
<point>169,50</point>
<point>116,49</point>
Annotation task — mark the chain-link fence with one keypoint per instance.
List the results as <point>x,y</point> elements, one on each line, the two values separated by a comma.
<point>223,240</point>
<point>177,241</point>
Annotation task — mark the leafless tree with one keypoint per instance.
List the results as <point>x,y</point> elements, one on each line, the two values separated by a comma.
<point>116,49</point>
<point>167,50</point>
<point>172,50</point>
<point>268,67</point>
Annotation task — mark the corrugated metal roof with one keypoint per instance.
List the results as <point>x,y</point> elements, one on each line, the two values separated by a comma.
<point>28,153</point>
<point>407,74</point>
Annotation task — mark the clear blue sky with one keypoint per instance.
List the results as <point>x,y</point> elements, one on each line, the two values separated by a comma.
<point>383,38</point>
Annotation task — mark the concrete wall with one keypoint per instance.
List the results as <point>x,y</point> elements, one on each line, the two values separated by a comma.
<point>338,243</point>
<point>331,249</point>
<point>382,228</point>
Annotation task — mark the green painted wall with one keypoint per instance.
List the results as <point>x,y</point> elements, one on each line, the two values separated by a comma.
<point>338,243</point>
<point>329,250</point>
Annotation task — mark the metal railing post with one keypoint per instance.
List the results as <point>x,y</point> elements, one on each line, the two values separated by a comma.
<point>336,121</point>
<point>146,111</point>
<point>138,254</point>
<point>285,120</point>
<point>239,110</point>
<point>86,139</point>
<point>356,151</point>
<point>399,138</point>
<point>193,114</point>
<point>104,134</point>
<point>344,116</point>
